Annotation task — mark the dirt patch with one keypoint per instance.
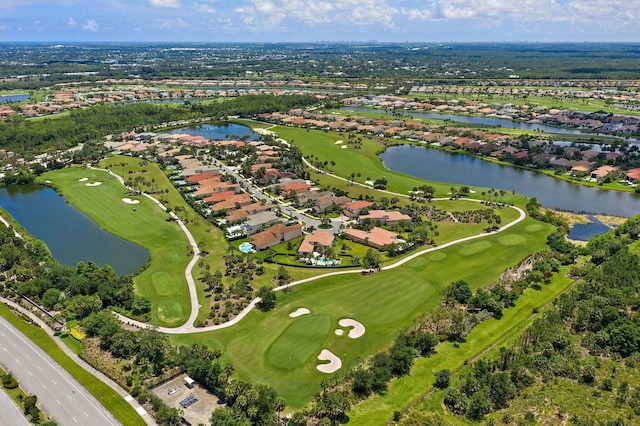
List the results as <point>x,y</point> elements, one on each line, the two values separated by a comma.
<point>611,221</point>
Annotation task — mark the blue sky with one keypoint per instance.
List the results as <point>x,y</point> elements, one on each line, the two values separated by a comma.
<point>319,20</point>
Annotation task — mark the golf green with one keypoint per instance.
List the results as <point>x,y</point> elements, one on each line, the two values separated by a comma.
<point>298,342</point>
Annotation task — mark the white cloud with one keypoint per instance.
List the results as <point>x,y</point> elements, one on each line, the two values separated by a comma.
<point>523,10</point>
<point>91,25</point>
<point>269,14</point>
<point>171,4</point>
<point>71,23</point>
<point>169,24</point>
<point>206,7</point>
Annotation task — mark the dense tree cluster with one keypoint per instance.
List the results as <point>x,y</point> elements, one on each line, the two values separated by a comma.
<point>78,292</point>
<point>597,318</point>
<point>28,137</point>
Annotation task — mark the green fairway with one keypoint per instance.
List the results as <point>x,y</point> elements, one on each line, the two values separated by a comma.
<point>299,342</point>
<point>384,303</point>
<point>485,339</point>
<point>347,161</point>
<point>163,281</point>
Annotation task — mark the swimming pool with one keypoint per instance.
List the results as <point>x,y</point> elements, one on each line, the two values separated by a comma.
<point>246,247</point>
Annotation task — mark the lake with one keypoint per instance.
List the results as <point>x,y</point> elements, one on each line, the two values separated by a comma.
<point>460,169</point>
<point>485,121</point>
<point>70,234</point>
<point>5,99</point>
<point>222,132</point>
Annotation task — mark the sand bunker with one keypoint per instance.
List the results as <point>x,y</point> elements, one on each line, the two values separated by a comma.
<point>332,366</point>
<point>299,312</point>
<point>93,184</point>
<point>356,331</point>
<point>338,142</point>
<point>339,332</point>
<point>83,179</point>
<point>344,147</point>
<point>130,201</point>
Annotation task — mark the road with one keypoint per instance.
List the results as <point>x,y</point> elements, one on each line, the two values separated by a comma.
<point>9,413</point>
<point>59,395</point>
<point>284,208</point>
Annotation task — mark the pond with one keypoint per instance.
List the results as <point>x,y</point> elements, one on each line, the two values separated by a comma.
<point>214,132</point>
<point>460,169</point>
<point>70,235</point>
<point>584,231</point>
<point>5,99</point>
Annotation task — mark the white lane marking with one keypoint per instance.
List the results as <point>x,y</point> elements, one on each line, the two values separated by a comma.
<point>58,369</point>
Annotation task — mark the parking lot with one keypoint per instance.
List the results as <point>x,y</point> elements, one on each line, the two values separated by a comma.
<point>196,403</point>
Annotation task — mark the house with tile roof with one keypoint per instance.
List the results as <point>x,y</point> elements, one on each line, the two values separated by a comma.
<point>276,234</point>
<point>354,208</point>
<point>376,237</point>
<point>392,217</point>
<point>318,238</point>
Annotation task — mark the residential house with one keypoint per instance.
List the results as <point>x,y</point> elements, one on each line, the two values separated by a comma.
<point>318,238</point>
<point>325,202</point>
<point>231,203</point>
<point>376,237</point>
<point>385,217</point>
<point>275,235</point>
<point>581,167</point>
<point>290,189</point>
<point>602,171</point>
<point>354,208</point>
<point>633,174</point>
<point>258,221</point>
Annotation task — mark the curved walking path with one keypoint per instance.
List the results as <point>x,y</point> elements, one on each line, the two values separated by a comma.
<point>193,292</point>
<point>188,327</point>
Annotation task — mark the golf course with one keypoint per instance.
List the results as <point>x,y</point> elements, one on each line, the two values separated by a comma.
<point>275,348</point>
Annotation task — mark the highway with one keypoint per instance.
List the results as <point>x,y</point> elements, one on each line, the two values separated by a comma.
<point>59,395</point>
<point>9,413</point>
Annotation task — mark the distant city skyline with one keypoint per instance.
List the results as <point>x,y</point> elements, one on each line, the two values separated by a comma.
<point>320,20</point>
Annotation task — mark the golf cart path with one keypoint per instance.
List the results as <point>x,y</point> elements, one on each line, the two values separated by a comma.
<point>193,293</point>
<point>188,327</point>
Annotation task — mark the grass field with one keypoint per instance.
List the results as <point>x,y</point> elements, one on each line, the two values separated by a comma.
<point>384,302</point>
<point>364,161</point>
<point>163,282</point>
<point>113,402</point>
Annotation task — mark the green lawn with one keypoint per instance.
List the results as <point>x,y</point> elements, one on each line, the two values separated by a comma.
<point>163,282</point>
<point>384,302</point>
<point>364,161</point>
<point>113,402</point>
